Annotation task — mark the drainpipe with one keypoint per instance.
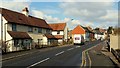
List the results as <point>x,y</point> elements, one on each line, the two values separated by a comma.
<point>5,36</point>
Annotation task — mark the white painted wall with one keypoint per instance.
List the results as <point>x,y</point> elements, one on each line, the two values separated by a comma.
<point>98,36</point>
<point>8,37</point>
<point>44,41</point>
<point>55,33</point>
<point>60,41</point>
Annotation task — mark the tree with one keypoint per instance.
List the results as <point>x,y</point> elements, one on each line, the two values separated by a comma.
<point>109,30</point>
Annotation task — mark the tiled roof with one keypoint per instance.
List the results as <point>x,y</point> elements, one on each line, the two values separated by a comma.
<point>58,36</point>
<point>78,30</point>
<point>19,18</point>
<point>49,36</point>
<point>19,35</point>
<point>58,26</point>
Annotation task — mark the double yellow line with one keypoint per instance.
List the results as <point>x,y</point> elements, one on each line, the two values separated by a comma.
<point>85,55</point>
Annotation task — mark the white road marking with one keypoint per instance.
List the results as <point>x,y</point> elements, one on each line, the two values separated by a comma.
<point>59,53</point>
<point>77,46</point>
<point>38,62</point>
<point>70,49</point>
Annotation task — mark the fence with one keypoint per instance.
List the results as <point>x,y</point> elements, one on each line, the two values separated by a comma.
<point>116,54</point>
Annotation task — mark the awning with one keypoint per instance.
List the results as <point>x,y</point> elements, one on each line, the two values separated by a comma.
<point>19,35</point>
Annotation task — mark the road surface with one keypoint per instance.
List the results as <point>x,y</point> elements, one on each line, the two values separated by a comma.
<point>70,55</point>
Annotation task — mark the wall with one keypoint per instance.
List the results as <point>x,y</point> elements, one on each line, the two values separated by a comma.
<point>45,40</point>
<point>8,37</point>
<point>114,41</point>
<point>65,33</point>
<point>22,28</point>
<point>98,36</point>
<point>55,33</point>
<point>0,27</point>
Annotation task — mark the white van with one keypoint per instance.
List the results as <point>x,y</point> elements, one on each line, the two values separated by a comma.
<point>78,39</point>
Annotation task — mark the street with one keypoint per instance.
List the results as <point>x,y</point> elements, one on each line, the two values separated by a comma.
<point>70,55</point>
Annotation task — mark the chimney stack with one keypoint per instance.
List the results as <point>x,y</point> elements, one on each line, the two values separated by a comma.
<point>25,11</point>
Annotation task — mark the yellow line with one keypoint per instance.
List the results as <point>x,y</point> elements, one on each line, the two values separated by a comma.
<point>89,59</point>
<point>83,56</point>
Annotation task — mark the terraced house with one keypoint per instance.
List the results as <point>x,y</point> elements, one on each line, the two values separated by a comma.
<point>22,31</point>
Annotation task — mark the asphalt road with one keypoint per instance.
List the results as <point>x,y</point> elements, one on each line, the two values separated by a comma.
<point>70,55</point>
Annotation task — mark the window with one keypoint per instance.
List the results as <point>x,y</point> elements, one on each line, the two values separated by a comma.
<point>16,43</point>
<point>14,27</point>
<point>30,29</point>
<point>44,31</point>
<point>58,32</point>
<point>39,30</point>
<point>48,31</point>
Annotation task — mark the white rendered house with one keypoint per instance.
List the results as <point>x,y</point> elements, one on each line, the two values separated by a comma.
<point>21,31</point>
<point>59,30</point>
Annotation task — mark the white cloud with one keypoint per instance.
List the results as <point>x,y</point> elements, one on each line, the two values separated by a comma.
<point>16,6</point>
<point>91,13</point>
<point>111,16</point>
<point>50,11</point>
<point>51,19</point>
<point>38,14</point>
<point>89,0</point>
<point>42,15</point>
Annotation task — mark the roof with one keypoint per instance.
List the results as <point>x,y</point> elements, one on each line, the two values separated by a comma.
<point>78,30</point>
<point>58,26</point>
<point>49,36</point>
<point>58,36</point>
<point>19,35</point>
<point>98,32</point>
<point>19,18</point>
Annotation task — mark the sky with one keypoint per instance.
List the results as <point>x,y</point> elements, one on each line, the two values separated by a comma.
<point>93,13</point>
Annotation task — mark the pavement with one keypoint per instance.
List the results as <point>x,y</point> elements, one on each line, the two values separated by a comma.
<point>99,56</point>
<point>69,55</point>
<point>11,55</point>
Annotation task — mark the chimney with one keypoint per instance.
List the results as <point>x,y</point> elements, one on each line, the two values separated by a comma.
<point>25,11</point>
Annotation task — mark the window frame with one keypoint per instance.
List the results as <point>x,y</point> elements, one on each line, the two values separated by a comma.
<point>58,32</point>
<point>14,27</point>
<point>30,29</point>
<point>39,30</point>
